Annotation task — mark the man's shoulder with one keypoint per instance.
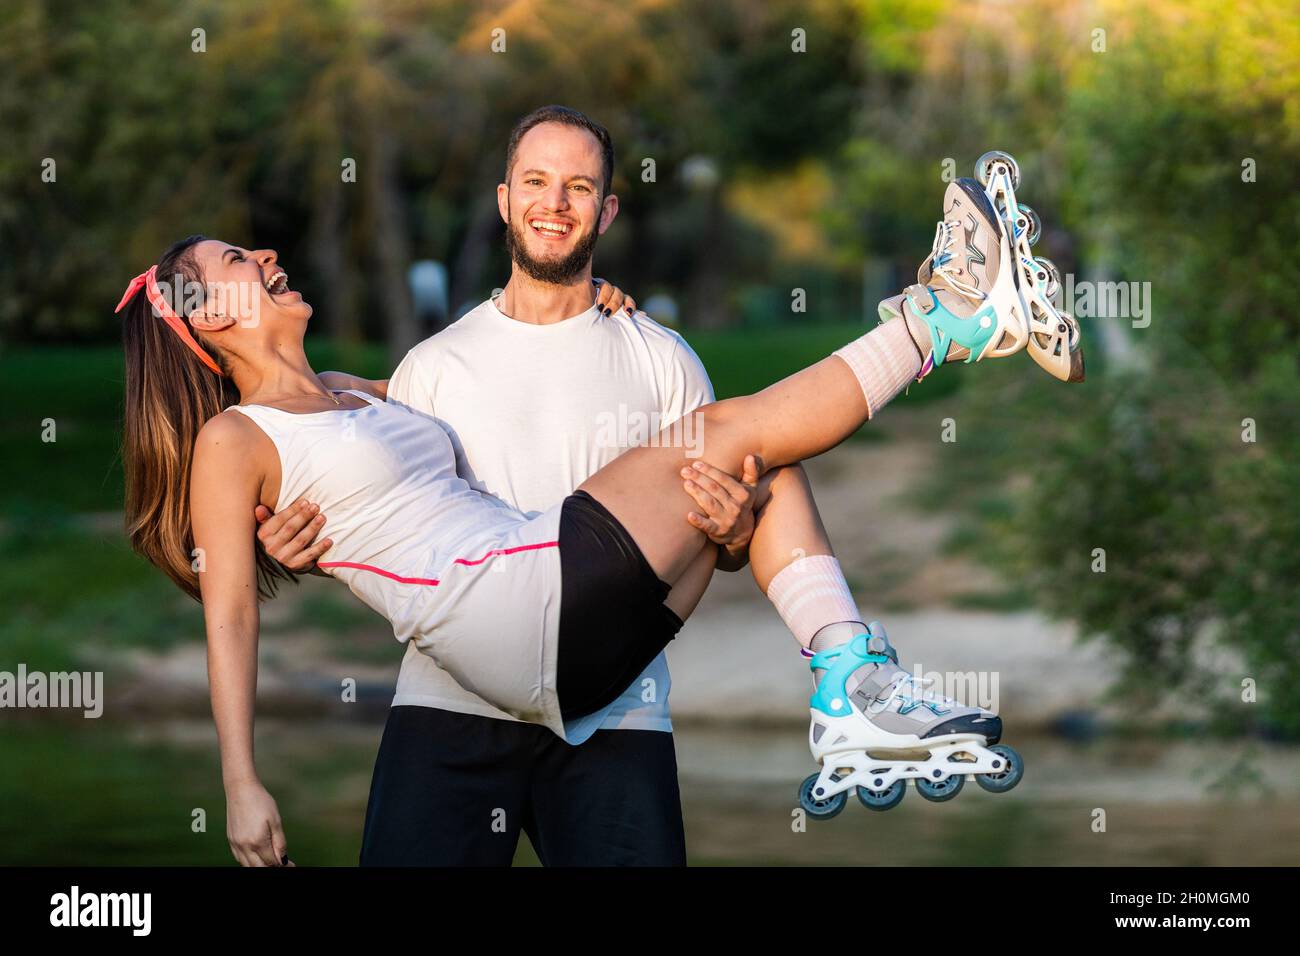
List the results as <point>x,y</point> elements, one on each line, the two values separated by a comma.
<point>658,337</point>
<point>467,325</point>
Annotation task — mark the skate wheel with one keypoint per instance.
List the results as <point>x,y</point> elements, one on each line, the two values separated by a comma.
<point>1073,326</point>
<point>820,809</point>
<point>1027,219</point>
<point>885,799</point>
<point>1051,275</point>
<point>1003,780</point>
<point>937,791</point>
<point>987,164</point>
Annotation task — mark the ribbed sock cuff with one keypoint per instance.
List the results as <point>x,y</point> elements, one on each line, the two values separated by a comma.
<point>809,594</point>
<point>884,361</point>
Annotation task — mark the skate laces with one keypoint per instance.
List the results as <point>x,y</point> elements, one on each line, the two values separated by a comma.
<point>942,257</point>
<point>910,700</point>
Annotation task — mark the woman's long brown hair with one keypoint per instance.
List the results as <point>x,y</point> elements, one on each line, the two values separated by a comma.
<point>170,395</point>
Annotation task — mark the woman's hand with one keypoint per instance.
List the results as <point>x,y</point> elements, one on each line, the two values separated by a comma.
<point>253,826</point>
<point>610,298</point>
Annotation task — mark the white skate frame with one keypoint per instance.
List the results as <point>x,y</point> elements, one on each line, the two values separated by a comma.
<point>1043,318</point>
<point>878,773</point>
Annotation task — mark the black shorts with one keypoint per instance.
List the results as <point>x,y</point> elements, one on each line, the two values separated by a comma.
<point>613,621</point>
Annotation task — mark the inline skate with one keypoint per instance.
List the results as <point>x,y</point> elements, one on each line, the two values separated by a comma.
<point>1054,338</point>
<point>888,730</point>
<point>982,247</point>
<point>966,305</point>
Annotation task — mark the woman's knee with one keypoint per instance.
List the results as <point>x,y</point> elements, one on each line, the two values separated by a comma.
<point>785,480</point>
<point>781,480</point>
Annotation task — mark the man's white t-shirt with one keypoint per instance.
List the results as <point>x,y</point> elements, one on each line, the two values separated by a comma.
<point>533,411</point>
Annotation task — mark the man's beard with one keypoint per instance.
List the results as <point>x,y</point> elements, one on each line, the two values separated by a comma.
<point>560,271</point>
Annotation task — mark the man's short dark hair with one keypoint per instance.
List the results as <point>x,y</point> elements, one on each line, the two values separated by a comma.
<point>569,117</point>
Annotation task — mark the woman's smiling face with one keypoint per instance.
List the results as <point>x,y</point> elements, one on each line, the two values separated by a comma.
<point>246,287</point>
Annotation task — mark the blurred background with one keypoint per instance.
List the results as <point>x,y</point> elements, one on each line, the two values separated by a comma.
<point>1122,556</point>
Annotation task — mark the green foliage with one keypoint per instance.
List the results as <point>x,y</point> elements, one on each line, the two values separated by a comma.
<point>75,596</point>
<point>1208,520</point>
<point>1147,476</point>
<point>244,141</point>
<point>1147,460</point>
<point>1134,157</point>
<point>1166,186</point>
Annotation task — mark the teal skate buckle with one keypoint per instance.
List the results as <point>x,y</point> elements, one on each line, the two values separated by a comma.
<point>946,327</point>
<point>832,696</point>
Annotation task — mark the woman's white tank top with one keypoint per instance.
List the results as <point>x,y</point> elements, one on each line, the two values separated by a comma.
<point>418,545</point>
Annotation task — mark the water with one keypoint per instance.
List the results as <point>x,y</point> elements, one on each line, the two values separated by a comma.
<point>93,792</point>
<point>1160,804</point>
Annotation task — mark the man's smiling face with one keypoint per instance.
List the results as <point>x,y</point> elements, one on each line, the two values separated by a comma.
<point>553,203</point>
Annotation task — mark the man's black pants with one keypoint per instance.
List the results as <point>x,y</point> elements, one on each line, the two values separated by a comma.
<point>456,790</point>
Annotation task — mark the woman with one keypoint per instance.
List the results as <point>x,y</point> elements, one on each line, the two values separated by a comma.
<point>548,617</point>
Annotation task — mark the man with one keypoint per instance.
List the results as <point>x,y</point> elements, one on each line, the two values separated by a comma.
<point>535,387</point>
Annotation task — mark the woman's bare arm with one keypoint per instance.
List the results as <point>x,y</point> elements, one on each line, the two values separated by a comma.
<point>225,487</point>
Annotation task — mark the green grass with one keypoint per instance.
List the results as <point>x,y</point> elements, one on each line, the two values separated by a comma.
<point>64,590</point>
<point>744,361</point>
<point>76,392</point>
<point>741,361</point>
<point>74,596</point>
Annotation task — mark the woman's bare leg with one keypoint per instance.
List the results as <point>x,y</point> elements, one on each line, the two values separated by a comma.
<point>690,587</point>
<point>788,534</point>
<point>802,416</point>
<point>787,526</point>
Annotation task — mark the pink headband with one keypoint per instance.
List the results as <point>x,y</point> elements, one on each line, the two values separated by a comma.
<point>148,280</point>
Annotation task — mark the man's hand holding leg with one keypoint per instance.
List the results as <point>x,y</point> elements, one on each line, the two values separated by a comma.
<point>289,536</point>
<point>726,508</point>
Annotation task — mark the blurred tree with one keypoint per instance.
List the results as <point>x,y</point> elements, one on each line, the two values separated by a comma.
<point>245,139</point>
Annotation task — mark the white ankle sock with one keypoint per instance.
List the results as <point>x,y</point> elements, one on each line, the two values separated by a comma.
<point>885,361</point>
<point>810,593</point>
